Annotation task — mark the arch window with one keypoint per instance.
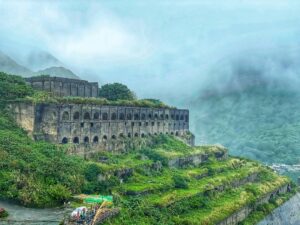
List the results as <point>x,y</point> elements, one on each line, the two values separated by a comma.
<point>172,133</point>
<point>64,140</point>
<point>86,116</point>
<point>155,116</point>
<point>96,116</point>
<point>143,135</point>
<point>121,135</point>
<point>86,140</point>
<point>76,116</point>
<point>177,134</point>
<point>181,117</point>
<point>105,116</point>
<point>150,116</point>
<point>95,139</point>
<point>186,118</point>
<point>129,116</point>
<point>136,134</point>
<point>143,116</point>
<point>113,116</point>
<point>161,116</point>
<point>76,140</point>
<point>65,116</point>
<point>172,116</point>
<point>121,116</point>
<point>152,123</point>
<point>167,116</point>
<point>104,137</point>
<point>136,116</point>
<point>129,135</point>
<point>177,117</point>
<point>113,137</point>
<point>155,134</point>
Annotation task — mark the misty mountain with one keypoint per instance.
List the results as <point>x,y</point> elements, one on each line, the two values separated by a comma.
<point>259,123</point>
<point>39,60</point>
<point>9,65</point>
<point>58,72</point>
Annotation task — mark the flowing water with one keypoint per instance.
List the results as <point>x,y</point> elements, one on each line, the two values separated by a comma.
<point>19,215</point>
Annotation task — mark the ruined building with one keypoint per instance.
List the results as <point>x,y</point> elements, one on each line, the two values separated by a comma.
<point>90,127</point>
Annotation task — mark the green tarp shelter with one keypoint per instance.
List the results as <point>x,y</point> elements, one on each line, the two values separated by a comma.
<point>98,198</point>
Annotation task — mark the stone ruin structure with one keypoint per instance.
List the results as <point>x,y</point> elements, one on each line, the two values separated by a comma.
<point>92,127</point>
<point>64,86</point>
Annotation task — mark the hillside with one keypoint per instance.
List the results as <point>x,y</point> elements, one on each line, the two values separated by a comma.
<point>8,65</point>
<point>163,181</point>
<point>256,123</point>
<point>39,60</point>
<point>57,72</point>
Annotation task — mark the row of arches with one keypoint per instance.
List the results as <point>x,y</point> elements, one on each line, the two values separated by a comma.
<point>95,139</point>
<point>122,116</point>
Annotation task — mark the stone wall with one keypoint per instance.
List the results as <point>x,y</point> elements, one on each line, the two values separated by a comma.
<point>91,127</point>
<point>64,86</point>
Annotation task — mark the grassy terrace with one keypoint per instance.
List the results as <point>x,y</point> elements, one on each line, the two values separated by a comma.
<point>225,204</point>
<point>139,184</point>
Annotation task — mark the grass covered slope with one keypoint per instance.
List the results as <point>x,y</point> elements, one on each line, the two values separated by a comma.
<point>205,193</point>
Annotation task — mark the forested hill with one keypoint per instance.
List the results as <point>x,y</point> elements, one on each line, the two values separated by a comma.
<point>257,123</point>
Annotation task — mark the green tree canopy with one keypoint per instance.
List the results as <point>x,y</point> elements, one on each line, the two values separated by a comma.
<point>12,87</point>
<point>116,91</point>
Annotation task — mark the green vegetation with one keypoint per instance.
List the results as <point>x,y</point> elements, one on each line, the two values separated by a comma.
<point>116,91</point>
<point>258,123</point>
<point>3,213</point>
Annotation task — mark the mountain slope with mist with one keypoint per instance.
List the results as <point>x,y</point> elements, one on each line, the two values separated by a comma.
<point>34,61</point>
<point>252,107</point>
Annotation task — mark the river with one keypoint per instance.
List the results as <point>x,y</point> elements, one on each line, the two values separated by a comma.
<point>19,215</point>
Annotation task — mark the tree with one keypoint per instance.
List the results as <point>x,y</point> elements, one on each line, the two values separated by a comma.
<point>116,91</point>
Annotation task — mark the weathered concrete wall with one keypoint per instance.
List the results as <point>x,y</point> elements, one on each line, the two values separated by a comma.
<point>92,127</point>
<point>64,86</point>
<point>24,115</point>
<point>242,214</point>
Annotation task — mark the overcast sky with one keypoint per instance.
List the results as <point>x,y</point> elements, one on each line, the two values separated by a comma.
<point>158,48</point>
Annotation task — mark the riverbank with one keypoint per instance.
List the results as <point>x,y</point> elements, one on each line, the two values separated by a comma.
<point>31,216</point>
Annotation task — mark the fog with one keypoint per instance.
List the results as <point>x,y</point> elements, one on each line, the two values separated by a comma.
<point>173,50</point>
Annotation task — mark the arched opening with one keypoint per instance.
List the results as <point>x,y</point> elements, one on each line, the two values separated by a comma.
<point>64,140</point>
<point>181,117</point>
<point>113,116</point>
<point>136,116</point>
<point>177,134</point>
<point>113,137</point>
<point>167,133</point>
<point>65,116</point>
<point>143,135</point>
<point>76,116</point>
<point>104,116</point>
<point>172,116</point>
<point>95,139</point>
<point>76,140</point>
<point>143,116</point>
<point>167,116</point>
<point>86,140</point>
<point>121,135</point>
<point>129,135</point>
<point>155,116</point>
<point>186,118</point>
<point>129,116</point>
<point>172,133</point>
<point>177,117</point>
<point>136,134</point>
<point>96,116</point>
<point>155,134</point>
<point>86,116</point>
<point>104,137</point>
<point>121,116</point>
<point>152,123</point>
<point>161,116</point>
<point>150,116</point>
